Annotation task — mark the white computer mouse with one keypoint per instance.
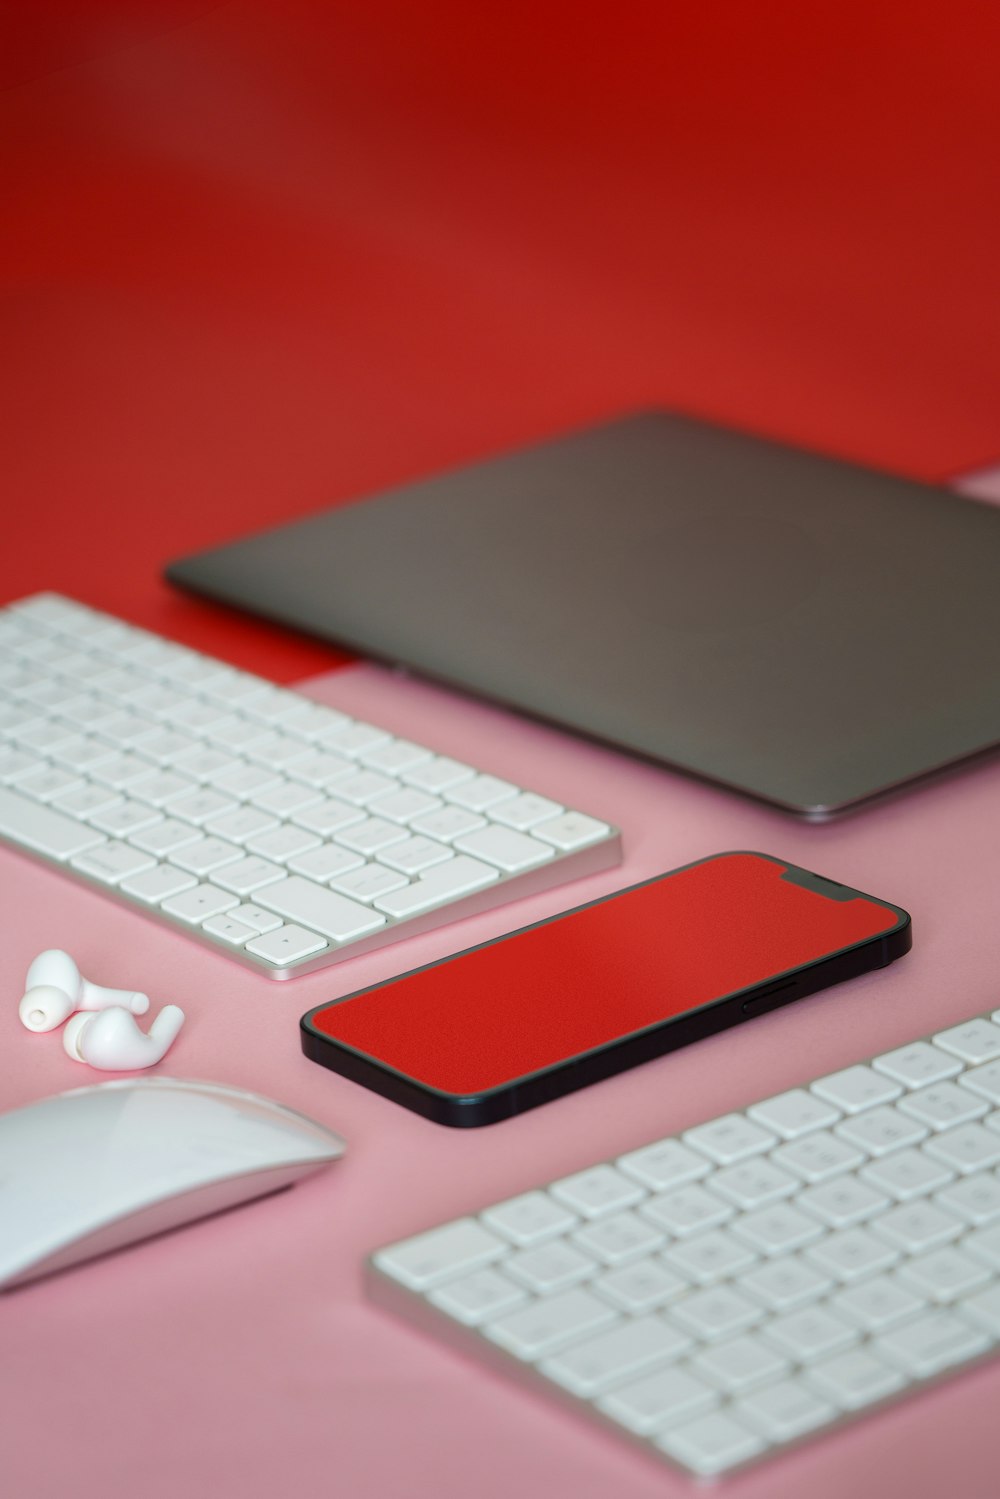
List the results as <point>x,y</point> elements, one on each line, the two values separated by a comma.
<point>95,1169</point>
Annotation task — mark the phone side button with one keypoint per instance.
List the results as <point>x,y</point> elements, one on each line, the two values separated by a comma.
<point>770,998</point>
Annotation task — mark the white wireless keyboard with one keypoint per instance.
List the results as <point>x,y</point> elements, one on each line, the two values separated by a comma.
<point>723,1293</point>
<point>277,830</point>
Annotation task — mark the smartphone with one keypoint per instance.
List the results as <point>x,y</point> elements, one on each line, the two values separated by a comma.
<point>521,1020</point>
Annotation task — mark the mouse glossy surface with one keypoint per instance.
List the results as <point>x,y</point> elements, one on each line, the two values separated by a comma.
<point>99,1167</point>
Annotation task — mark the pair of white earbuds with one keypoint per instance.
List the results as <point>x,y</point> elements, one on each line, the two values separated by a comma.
<point>103,1031</point>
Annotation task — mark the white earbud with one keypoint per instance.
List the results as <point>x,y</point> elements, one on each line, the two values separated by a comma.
<point>55,988</point>
<point>112,1040</point>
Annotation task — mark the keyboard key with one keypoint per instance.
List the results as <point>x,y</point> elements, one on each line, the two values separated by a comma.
<point>985,1244</point>
<point>777,1229</point>
<point>43,828</point>
<point>86,799</point>
<point>844,1201</point>
<point>663,1165</point>
<point>447,823</point>
<point>929,1344</point>
<point>984,1080</point>
<point>877,1304</point>
<point>974,1198</point>
<point>600,1190</point>
<point>590,1367</point>
<point>881,1130</point>
<point>794,1114</point>
<point>429,1259</point>
<point>160,787</point>
<point>286,945</point>
<point>245,781</point>
<point>550,1267</point>
<point>325,861</point>
<point>711,1444</point>
<point>687,1210</point>
<point>570,830</point>
<point>125,817</point>
<point>246,876</point>
<point>715,1313</point>
<point>856,1088</point>
<point>550,1323</point>
<point>810,1333</point>
<point>401,805</point>
<point>709,1256</point>
<point>437,775</point>
<point>256,917</point>
<point>785,1410</point>
<point>286,797</point>
<point>729,1139</point>
<point>524,811</point>
<point>944,1104</point>
<point>855,1379</point>
<point>852,1254</point>
<point>944,1274</point>
<point>740,1363</point>
<point>371,836</point>
<point>323,911</point>
<point>112,862</point>
<point>640,1286</point>
<point>369,881</point>
<point>918,1226</point>
<point>205,855</point>
<point>619,1239</point>
<point>328,817</point>
<point>984,1308</point>
<point>48,783</point>
<point>480,793</point>
<point>907,1174</point>
<point>362,786</point>
<point>154,885</point>
<point>478,1297</point>
<point>917,1065</point>
<point>414,855</point>
<point>229,930</point>
<point>165,837</point>
<point>506,849</point>
<point>975,1041</point>
<point>672,1394</point>
<point>202,900</point>
<point>356,739</point>
<point>754,1183</point>
<point>248,822</point>
<point>443,882</point>
<point>200,806</point>
<point>818,1157</point>
<point>786,1283</point>
<point>965,1149</point>
<point>394,756</point>
<point>530,1219</point>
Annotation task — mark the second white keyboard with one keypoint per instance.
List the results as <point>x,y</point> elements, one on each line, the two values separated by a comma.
<point>282,832</point>
<point>717,1295</point>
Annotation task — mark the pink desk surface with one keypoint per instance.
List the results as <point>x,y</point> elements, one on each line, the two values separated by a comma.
<point>238,1356</point>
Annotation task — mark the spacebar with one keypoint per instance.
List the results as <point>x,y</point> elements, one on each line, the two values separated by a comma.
<point>334,916</point>
<point>38,827</point>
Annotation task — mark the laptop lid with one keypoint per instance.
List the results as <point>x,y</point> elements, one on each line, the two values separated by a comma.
<point>795,628</point>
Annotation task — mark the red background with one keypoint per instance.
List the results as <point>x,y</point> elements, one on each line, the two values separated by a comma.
<point>259,258</point>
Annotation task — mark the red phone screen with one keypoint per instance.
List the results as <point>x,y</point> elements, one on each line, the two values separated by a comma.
<point>580,981</point>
